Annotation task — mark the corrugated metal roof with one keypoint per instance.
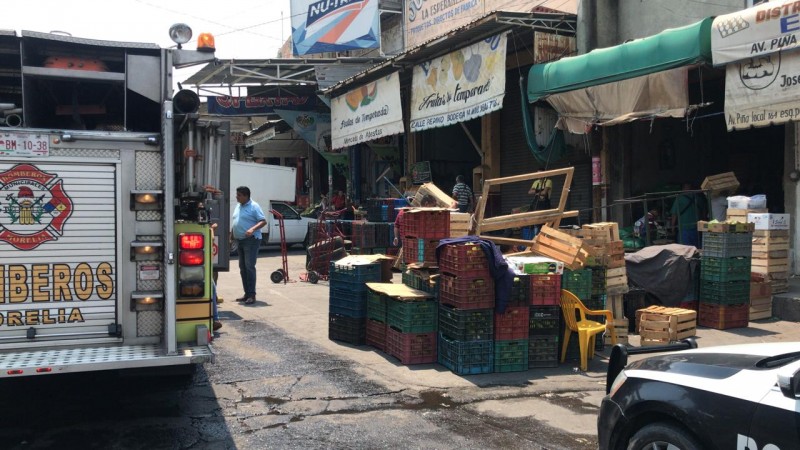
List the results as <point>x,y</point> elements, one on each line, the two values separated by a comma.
<point>287,71</point>
<point>486,26</point>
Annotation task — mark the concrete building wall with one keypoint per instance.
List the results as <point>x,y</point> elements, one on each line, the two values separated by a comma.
<point>605,23</point>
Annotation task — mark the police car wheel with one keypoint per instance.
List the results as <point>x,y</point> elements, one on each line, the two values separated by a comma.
<point>663,436</point>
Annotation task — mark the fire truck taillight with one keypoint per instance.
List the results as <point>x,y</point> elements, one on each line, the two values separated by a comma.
<point>191,241</point>
<point>192,258</point>
<point>191,289</point>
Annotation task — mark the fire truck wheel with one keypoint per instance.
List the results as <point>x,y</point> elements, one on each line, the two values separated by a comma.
<point>277,276</point>
<point>313,277</point>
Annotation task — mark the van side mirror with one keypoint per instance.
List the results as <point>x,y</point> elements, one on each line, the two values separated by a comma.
<point>789,383</point>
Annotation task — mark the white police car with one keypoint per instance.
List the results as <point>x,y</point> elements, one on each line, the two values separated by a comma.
<point>742,397</point>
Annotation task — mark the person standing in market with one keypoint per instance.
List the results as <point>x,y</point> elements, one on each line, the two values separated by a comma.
<point>462,194</point>
<point>248,219</point>
<point>541,189</point>
<point>684,213</point>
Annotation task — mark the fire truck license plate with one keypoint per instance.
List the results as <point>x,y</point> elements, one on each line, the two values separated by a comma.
<point>21,144</point>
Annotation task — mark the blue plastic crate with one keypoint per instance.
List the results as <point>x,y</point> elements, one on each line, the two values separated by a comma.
<point>353,274</point>
<point>466,358</point>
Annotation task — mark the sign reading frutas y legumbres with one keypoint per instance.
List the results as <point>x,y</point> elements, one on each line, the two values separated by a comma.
<point>366,113</point>
<point>459,86</point>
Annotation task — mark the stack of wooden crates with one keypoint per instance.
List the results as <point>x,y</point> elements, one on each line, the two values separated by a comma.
<point>771,249</point>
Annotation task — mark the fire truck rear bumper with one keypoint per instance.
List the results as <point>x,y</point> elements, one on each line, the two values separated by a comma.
<point>93,358</point>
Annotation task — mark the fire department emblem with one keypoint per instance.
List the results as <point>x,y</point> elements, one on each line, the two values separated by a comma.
<point>33,206</point>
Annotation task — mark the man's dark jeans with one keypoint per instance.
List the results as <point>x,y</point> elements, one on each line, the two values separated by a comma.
<point>248,253</point>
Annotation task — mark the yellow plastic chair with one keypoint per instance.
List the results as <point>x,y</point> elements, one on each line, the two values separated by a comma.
<point>575,313</point>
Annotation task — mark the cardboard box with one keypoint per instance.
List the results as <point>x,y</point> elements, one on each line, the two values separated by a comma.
<point>769,221</point>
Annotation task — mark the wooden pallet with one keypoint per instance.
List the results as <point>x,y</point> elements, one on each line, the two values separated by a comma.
<point>559,246</point>
<point>667,325</point>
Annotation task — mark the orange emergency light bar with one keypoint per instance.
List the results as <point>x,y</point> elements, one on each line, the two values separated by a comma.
<point>205,43</point>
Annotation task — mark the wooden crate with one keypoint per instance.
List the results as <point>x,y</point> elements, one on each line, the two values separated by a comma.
<point>559,246</point>
<point>730,226</point>
<point>621,329</point>
<point>720,183</point>
<point>769,265</point>
<point>459,224</point>
<point>616,304</point>
<point>760,308</point>
<point>667,325</point>
<point>604,231</point>
<point>760,289</point>
<point>616,281</point>
<point>442,199</point>
<point>740,215</point>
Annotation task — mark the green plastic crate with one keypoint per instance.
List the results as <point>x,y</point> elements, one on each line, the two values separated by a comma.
<point>725,293</point>
<point>412,316</point>
<point>376,306</point>
<point>511,356</point>
<point>725,269</point>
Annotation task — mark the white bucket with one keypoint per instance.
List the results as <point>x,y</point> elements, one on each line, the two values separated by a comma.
<point>757,202</point>
<point>738,202</point>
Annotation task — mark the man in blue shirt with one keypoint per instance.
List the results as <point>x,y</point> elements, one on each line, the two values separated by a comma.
<point>248,219</point>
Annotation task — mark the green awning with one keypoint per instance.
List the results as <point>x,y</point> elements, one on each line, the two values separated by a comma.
<point>669,49</point>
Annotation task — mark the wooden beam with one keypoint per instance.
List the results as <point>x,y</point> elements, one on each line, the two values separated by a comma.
<point>524,219</point>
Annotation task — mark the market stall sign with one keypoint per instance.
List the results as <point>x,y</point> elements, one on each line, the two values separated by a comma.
<point>367,113</point>
<point>259,137</point>
<point>459,86</point>
<point>754,32</point>
<point>258,105</point>
<point>762,91</point>
<point>314,127</point>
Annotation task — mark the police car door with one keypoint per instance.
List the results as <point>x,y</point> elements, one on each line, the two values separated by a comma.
<point>776,423</point>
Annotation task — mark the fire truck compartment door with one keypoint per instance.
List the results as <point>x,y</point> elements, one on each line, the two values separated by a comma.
<point>58,251</point>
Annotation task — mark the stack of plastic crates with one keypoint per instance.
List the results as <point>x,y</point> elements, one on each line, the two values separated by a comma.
<point>579,282</point>
<point>725,280</point>
<point>544,330</point>
<point>348,300</point>
<point>363,238</point>
<point>411,328</point>
<point>423,229</point>
<point>383,237</point>
<point>383,209</point>
<point>377,316</point>
<point>466,314</point>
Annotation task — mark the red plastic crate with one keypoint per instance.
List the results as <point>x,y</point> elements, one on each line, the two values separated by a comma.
<point>376,334</point>
<point>427,224</point>
<point>545,290</point>
<point>412,253</point>
<point>466,292</point>
<point>723,317</point>
<point>464,260</point>
<point>411,348</point>
<point>513,324</point>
